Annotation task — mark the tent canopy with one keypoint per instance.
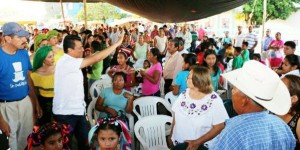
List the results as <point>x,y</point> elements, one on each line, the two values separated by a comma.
<point>172,11</point>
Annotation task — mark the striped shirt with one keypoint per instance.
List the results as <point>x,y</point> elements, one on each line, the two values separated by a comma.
<point>255,131</point>
<point>251,38</point>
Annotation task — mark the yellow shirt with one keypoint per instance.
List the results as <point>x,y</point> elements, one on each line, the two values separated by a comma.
<point>44,84</point>
<point>58,55</point>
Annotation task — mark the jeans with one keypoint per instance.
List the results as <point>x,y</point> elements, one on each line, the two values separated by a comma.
<point>79,127</point>
<point>183,146</point>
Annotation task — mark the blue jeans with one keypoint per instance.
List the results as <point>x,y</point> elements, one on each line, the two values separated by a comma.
<point>79,127</point>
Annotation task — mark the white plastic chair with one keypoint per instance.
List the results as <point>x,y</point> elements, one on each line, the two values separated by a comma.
<point>150,132</point>
<point>92,111</point>
<point>98,86</point>
<point>171,98</point>
<point>148,106</point>
<point>161,87</point>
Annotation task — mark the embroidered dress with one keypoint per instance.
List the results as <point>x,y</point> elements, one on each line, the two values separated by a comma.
<point>194,118</point>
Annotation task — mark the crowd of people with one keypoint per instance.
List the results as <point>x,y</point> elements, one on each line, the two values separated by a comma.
<point>45,77</point>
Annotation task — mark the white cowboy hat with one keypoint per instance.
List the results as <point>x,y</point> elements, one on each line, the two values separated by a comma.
<point>262,85</point>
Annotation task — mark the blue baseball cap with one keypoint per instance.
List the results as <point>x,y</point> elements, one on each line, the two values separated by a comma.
<point>13,28</point>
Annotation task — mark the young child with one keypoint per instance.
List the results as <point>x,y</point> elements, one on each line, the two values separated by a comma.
<point>238,59</point>
<point>245,52</point>
<point>229,53</point>
<point>146,65</point>
<point>290,65</point>
<point>210,61</point>
<point>50,136</point>
<point>181,77</point>
<point>110,133</point>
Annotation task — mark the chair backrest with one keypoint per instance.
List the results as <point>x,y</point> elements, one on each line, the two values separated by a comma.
<point>92,113</point>
<point>150,131</point>
<point>99,85</point>
<point>148,106</point>
<point>161,87</point>
<point>171,98</point>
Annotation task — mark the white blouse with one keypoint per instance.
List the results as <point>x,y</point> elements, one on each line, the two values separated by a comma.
<point>194,118</point>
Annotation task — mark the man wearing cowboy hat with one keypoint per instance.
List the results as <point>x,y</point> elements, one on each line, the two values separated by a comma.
<point>256,89</point>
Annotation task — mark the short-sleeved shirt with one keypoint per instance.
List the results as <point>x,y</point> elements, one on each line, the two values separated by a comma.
<point>114,101</point>
<point>251,38</point>
<point>180,80</point>
<point>44,84</point>
<point>260,130</point>
<point>148,87</point>
<point>194,118</point>
<point>245,55</point>
<point>68,87</point>
<point>237,62</point>
<point>14,75</point>
<point>140,51</point>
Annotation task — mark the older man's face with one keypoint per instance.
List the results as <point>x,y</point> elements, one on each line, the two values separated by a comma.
<point>238,99</point>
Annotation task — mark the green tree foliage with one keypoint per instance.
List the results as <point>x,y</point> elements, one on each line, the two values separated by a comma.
<point>276,9</point>
<point>101,11</point>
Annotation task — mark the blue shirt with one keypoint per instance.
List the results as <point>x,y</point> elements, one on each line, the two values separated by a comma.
<point>13,75</point>
<point>180,80</point>
<point>255,131</point>
<point>116,102</point>
<point>267,42</point>
<point>215,78</point>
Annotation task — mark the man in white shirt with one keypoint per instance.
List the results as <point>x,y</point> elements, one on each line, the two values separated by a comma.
<point>114,36</point>
<point>186,35</point>
<point>239,38</point>
<point>68,102</point>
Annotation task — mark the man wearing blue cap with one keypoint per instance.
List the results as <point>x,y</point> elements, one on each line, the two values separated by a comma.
<point>17,98</point>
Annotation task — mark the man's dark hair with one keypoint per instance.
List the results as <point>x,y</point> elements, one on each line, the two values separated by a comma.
<point>69,42</point>
<point>96,46</point>
<point>291,44</point>
<point>175,41</point>
<point>238,49</point>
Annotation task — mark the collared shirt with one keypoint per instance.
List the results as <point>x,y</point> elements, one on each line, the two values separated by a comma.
<point>267,41</point>
<point>257,131</point>
<point>68,87</point>
<point>173,66</point>
<point>114,37</point>
<point>239,38</point>
<point>251,38</point>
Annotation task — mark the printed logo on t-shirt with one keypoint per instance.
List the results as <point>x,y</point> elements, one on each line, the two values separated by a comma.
<point>18,75</point>
<point>18,72</point>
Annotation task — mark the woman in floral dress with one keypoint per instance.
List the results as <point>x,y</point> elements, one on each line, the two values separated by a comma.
<point>198,113</point>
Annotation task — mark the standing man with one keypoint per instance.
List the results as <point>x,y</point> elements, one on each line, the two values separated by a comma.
<point>174,61</point>
<point>154,32</point>
<point>18,102</point>
<point>186,35</point>
<point>68,101</point>
<point>194,38</point>
<point>239,38</point>
<point>114,36</point>
<point>251,38</point>
<point>267,40</point>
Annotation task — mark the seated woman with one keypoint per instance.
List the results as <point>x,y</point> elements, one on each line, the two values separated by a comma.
<point>198,113</point>
<point>115,101</point>
<point>123,59</point>
<point>180,80</point>
<point>110,133</point>
<point>292,117</point>
<point>153,75</point>
<point>210,61</point>
<point>43,80</point>
<point>50,136</point>
<point>291,65</point>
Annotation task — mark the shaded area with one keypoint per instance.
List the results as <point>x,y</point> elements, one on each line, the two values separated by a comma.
<point>164,11</point>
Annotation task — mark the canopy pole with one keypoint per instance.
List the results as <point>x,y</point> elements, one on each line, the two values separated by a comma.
<point>264,22</point>
<point>63,14</point>
<point>85,15</point>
